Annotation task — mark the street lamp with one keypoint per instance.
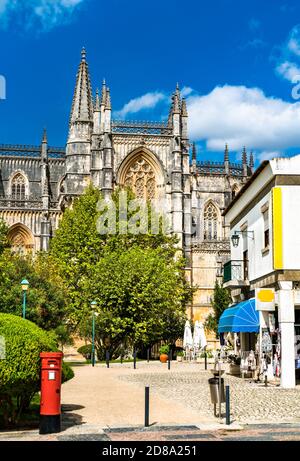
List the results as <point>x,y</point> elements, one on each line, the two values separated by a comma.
<point>24,285</point>
<point>235,238</point>
<point>93,306</point>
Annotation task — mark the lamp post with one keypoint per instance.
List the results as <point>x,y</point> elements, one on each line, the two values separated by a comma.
<point>93,306</point>
<point>235,238</point>
<point>24,285</point>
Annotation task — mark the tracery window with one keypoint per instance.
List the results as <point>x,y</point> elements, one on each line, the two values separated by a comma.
<point>140,177</point>
<point>210,222</point>
<point>18,188</point>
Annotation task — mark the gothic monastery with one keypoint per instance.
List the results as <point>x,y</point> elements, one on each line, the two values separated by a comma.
<point>38,182</point>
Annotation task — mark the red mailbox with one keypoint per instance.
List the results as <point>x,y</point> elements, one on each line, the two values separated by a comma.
<point>50,411</point>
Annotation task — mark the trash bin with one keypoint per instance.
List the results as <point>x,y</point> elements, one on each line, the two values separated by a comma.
<point>214,390</point>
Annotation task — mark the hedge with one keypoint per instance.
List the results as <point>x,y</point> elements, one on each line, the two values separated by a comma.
<point>86,351</point>
<point>20,370</point>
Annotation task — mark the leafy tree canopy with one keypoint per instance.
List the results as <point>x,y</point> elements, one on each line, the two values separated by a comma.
<point>4,243</point>
<point>221,300</point>
<point>46,297</point>
<point>138,284</point>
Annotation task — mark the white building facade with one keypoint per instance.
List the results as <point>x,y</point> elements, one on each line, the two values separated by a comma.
<point>264,223</point>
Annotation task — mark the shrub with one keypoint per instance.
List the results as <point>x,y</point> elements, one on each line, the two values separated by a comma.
<point>67,373</point>
<point>164,349</point>
<point>86,351</point>
<point>20,370</point>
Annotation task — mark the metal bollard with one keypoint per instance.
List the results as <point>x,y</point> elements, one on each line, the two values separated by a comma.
<point>134,359</point>
<point>148,355</point>
<point>169,361</point>
<point>205,361</point>
<point>147,401</point>
<point>266,381</point>
<point>227,405</point>
<point>220,390</point>
<point>107,359</point>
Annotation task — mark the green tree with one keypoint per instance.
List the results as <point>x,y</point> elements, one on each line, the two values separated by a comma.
<point>63,335</point>
<point>141,297</point>
<point>221,300</point>
<point>4,243</point>
<point>140,287</point>
<point>47,298</point>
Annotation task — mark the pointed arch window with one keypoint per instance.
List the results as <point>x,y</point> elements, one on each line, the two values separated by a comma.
<point>18,187</point>
<point>210,222</point>
<point>140,177</point>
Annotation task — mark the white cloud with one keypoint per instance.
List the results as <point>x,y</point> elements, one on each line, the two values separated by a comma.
<point>243,116</point>
<point>287,64</point>
<point>267,155</point>
<point>40,14</point>
<point>147,101</point>
<point>293,44</point>
<point>186,91</point>
<point>288,70</point>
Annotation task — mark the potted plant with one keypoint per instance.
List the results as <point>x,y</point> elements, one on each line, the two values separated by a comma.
<point>164,351</point>
<point>179,356</point>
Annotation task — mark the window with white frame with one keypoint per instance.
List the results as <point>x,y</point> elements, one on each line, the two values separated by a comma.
<point>266,239</point>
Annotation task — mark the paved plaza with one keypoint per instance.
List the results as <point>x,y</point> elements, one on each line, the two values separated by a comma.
<point>108,404</point>
<point>250,402</point>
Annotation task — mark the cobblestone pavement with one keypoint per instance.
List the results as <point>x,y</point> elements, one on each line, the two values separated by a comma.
<point>184,434</point>
<point>250,433</point>
<point>250,402</point>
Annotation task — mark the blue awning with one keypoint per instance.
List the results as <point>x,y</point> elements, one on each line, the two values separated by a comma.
<point>241,318</point>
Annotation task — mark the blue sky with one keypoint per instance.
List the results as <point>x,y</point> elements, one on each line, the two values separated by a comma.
<point>237,62</point>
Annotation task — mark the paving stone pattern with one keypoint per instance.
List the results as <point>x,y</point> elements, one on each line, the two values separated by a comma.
<point>250,402</point>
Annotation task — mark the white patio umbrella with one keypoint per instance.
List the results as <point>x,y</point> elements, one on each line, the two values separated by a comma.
<point>187,338</point>
<point>197,336</point>
<point>203,342</point>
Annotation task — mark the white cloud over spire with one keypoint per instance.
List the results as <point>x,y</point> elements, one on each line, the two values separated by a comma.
<point>41,14</point>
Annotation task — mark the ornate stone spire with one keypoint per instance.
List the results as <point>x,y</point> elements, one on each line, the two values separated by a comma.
<point>82,106</point>
<point>103,96</point>
<point>194,152</point>
<point>244,156</point>
<point>245,166</point>
<point>97,101</point>
<point>45,146</point>
<point>251,163</point>
<point>184,112</point>
<point>176,104</point>
<point>226,159</point>
<point>108,101</point>
<point>226,153</point>
<point>177,100</point>
<point>45,140</point>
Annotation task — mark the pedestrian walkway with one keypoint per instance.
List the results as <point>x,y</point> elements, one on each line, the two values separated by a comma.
<point>104,397</point>
<point>108,404</point>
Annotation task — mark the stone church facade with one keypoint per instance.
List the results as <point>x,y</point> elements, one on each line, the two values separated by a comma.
<point>38,182</point>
